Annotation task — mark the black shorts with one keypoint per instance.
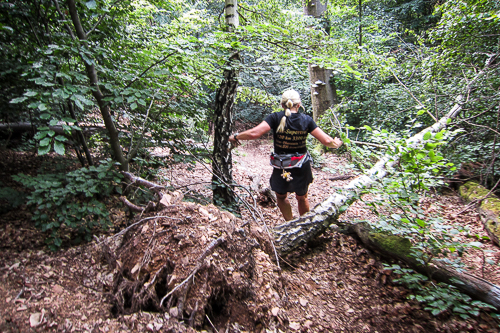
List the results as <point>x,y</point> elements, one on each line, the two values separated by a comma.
<point>299,185</point>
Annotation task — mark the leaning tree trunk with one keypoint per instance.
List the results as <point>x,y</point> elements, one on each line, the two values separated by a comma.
<point>222,164</point>
<point>294,233</point>
<point>97,93</point>
<point>323,92</point>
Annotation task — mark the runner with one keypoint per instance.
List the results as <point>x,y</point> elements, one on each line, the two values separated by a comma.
<point>292,163</point>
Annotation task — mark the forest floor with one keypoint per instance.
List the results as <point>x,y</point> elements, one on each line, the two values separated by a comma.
<point>116,283</point>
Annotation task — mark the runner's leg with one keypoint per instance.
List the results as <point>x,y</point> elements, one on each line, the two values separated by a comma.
<point>303,203</point>
<point>284,206</point>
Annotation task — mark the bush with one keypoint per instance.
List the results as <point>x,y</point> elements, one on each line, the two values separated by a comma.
<point>72,200</point>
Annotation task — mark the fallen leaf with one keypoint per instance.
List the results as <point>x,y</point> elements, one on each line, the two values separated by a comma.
<point>35,319</point>
<point>136,267</point>
<point>275,311</point>
<point>57,289</point>
<point>303,301</point>
<point>295,326</point>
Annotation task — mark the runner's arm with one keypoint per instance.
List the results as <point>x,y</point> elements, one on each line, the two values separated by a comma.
<point>253,133</point>
<point>325,139</point>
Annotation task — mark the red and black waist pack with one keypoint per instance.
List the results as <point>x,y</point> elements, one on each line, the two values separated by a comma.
<point>289,161</point>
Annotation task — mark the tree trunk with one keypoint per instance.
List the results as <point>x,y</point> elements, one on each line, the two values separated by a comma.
<point>397,247</point>
<point>323,93</point>
<point>223,124</point>
<point>222,162</point>
<point>96,92</point>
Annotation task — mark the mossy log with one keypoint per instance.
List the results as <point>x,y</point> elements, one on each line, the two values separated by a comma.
<point>489,208</point>
<point>397,247</point>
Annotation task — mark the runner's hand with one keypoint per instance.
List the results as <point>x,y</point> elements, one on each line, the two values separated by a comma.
<point>337,143</point>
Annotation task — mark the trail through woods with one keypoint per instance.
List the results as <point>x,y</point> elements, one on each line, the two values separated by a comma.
<point>331,285</point>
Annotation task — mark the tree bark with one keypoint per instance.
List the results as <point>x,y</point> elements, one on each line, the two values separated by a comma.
<point>223,124</point>
<point>222,161</point>
<point>323,93</point>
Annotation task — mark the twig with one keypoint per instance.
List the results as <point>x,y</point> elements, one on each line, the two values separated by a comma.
<point>147,69</point>
<point>413,96</point>
<point>211,323</point>
<point>136,223</point>
<point>368,144</point>
<point>200,260</point>
<point>271,239</point>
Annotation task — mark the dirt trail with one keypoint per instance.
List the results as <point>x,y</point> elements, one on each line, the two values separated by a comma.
<point>331,285</point>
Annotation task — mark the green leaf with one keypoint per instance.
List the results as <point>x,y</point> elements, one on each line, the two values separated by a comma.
<point>91,4</point>
<point>420,223</point>
<point>18,100</point>
<point>45,116</point>
<point>61,138</point>
<point>133,106</point>
<point>40,135</point>
<point>368,128</point>
<point>42,150</point>
<point>45,142</point>
<point>438,136</point>
<point>427,136</point>
<point>30,93</point>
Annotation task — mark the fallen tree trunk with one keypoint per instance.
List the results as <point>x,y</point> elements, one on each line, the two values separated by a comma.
<point>397,247</point>
<point>292,234</point>
<point>488,207</point>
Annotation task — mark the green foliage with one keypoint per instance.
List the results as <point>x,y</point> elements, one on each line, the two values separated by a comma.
<point>439,298</point>
<point>12,197</point>
<point>73,200</point>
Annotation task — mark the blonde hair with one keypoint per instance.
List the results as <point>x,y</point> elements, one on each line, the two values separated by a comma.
<point>288,100</point>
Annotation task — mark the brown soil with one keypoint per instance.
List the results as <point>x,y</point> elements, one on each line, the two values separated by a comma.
<point>116,283</point>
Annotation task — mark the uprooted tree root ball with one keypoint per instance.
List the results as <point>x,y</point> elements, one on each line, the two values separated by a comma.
<point>194,267</point>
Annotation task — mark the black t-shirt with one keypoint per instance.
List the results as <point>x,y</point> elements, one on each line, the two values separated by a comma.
<point>293,139</point>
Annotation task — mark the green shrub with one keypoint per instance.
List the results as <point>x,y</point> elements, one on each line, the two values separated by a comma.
<point>72,200</point>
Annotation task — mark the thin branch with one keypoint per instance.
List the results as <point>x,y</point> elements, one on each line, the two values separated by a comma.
<point>100,19</point>
<point>483,126</point>
<point>413,96</point>
<point>64,19</point>
<point>136,223</point>
<point>147,69</point>
<point>133,151</point>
